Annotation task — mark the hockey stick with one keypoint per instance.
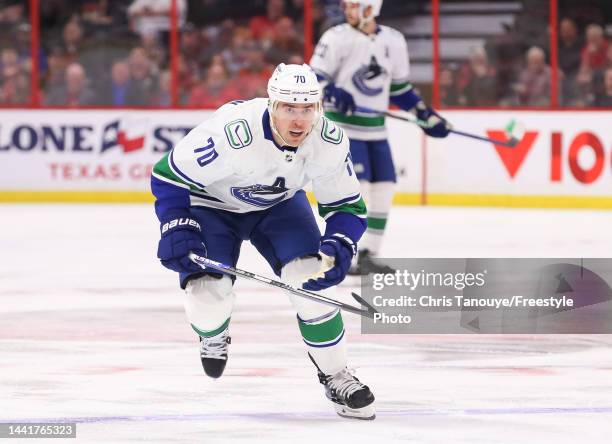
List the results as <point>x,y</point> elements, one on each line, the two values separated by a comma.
<point>511,129</point>
<point>205,262</point>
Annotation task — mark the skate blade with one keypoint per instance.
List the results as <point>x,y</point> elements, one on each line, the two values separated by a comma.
<point>364,413</point>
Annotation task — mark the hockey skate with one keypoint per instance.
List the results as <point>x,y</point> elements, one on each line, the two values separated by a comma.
<point>351,398</point>
<point>367,264</point>
<point>213,353</point>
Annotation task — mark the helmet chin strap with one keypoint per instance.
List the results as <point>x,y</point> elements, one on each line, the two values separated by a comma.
<point>363,21</point>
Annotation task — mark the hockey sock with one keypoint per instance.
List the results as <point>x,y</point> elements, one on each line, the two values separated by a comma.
<point>208,304</point>
<point>379,205</point>
<point>324,337</point>
<point>211,333</point>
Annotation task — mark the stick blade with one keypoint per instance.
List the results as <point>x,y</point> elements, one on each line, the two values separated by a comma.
<point>371,310</point>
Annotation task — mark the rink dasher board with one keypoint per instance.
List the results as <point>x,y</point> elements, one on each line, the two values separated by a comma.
<point>564,159</point>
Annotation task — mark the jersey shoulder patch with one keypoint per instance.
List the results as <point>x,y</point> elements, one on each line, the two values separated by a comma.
<point>238,133</point>
<point>330,132</point>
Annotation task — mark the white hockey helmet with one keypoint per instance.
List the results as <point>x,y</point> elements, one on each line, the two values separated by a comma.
<point>295,84</point>
<point>375,4</point>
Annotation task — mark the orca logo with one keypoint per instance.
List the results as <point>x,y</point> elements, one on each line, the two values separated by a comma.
<point>367,73</point>
<point>262,196</point>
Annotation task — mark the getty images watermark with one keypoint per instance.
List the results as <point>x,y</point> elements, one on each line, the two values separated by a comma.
<point>491,296</point>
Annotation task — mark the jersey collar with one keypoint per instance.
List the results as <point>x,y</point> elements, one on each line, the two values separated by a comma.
<point>267,129</point>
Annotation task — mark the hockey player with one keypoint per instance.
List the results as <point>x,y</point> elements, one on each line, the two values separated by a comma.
<point>363,64</point>
<point>240,176</point>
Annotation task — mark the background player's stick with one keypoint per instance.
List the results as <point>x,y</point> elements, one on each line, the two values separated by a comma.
<point>514,131</point>
<point>205,262</point>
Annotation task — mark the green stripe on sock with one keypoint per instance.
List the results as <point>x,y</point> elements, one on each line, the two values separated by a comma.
<point>210,333</point>
<point>377,223</point>
<point>324,332</point>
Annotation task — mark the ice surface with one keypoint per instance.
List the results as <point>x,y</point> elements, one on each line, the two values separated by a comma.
<point>92,330</point>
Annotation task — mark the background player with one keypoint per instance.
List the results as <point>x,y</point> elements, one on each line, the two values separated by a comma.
<point>363,65</point>
<point>239,176</point>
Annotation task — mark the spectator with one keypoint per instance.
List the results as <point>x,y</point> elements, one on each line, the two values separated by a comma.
<point>215,91</point>
<point>285,41</point>
<point>156,53</point>
<point>593,54</point>
<point>163,96</point>
<point>14,83</point>
<point>143,72</point>
<point>122,90</point>
<point>478,80</point>
<point>153,16</point>
<point>72,41</point>
<point>191,50</point>
<point>234,57</point>
<point>569,47</point>
<point>263,25</point>
<point>449,94</point>
<point>74,92</point>
<point>252,80</point>
<point>12,12</point>
<point>605,99</point>
<point>533,87</point>
<point>582,92</point>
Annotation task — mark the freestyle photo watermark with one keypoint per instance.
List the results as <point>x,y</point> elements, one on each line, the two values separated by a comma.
<point>438,296</point>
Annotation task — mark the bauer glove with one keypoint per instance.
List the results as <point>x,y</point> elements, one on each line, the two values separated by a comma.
<point>336,252</point>
<point>179,237</point>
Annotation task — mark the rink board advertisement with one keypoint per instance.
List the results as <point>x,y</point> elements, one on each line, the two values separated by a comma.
<point>563,159</point>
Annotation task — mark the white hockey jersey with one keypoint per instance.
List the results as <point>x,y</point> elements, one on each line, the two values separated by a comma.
<point>370,67</point>
<point>231,162</point>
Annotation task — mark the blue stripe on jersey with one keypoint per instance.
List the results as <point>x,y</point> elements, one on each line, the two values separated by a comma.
<point>341,201</point>
<point>180,173</point>
<point>407,100</point>
<point>347,224</point>
<point>171,199</point>
<point>205,196</point>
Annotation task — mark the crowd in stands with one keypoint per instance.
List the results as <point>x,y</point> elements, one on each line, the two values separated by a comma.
<point>117,53</point>
<point>514,69</point>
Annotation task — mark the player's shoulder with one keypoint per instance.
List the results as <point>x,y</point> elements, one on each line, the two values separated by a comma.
<point>330,142</point>
<point>238,122</point>
<point>391,33</point>
<point>338,32</point>
<point>227,132</point>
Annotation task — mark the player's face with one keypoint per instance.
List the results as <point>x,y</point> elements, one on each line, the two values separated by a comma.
<point>294,121</point>
<point>351,12</point>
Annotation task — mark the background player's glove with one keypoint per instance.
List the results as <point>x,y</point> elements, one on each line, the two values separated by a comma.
<point>179,236</point>
<point>336,253</point>
<point>341,98</point>
<point>439,127</point>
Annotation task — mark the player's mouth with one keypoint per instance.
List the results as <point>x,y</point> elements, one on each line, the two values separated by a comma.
<point>296,133</point>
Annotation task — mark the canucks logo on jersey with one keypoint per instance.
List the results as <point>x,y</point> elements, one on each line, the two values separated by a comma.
<point>363,75</point>
<point>262,195</point>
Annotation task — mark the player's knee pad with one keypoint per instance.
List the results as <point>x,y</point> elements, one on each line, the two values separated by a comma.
<point>299,270</point>
<point>295,273</point>
<point>209,301</point>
